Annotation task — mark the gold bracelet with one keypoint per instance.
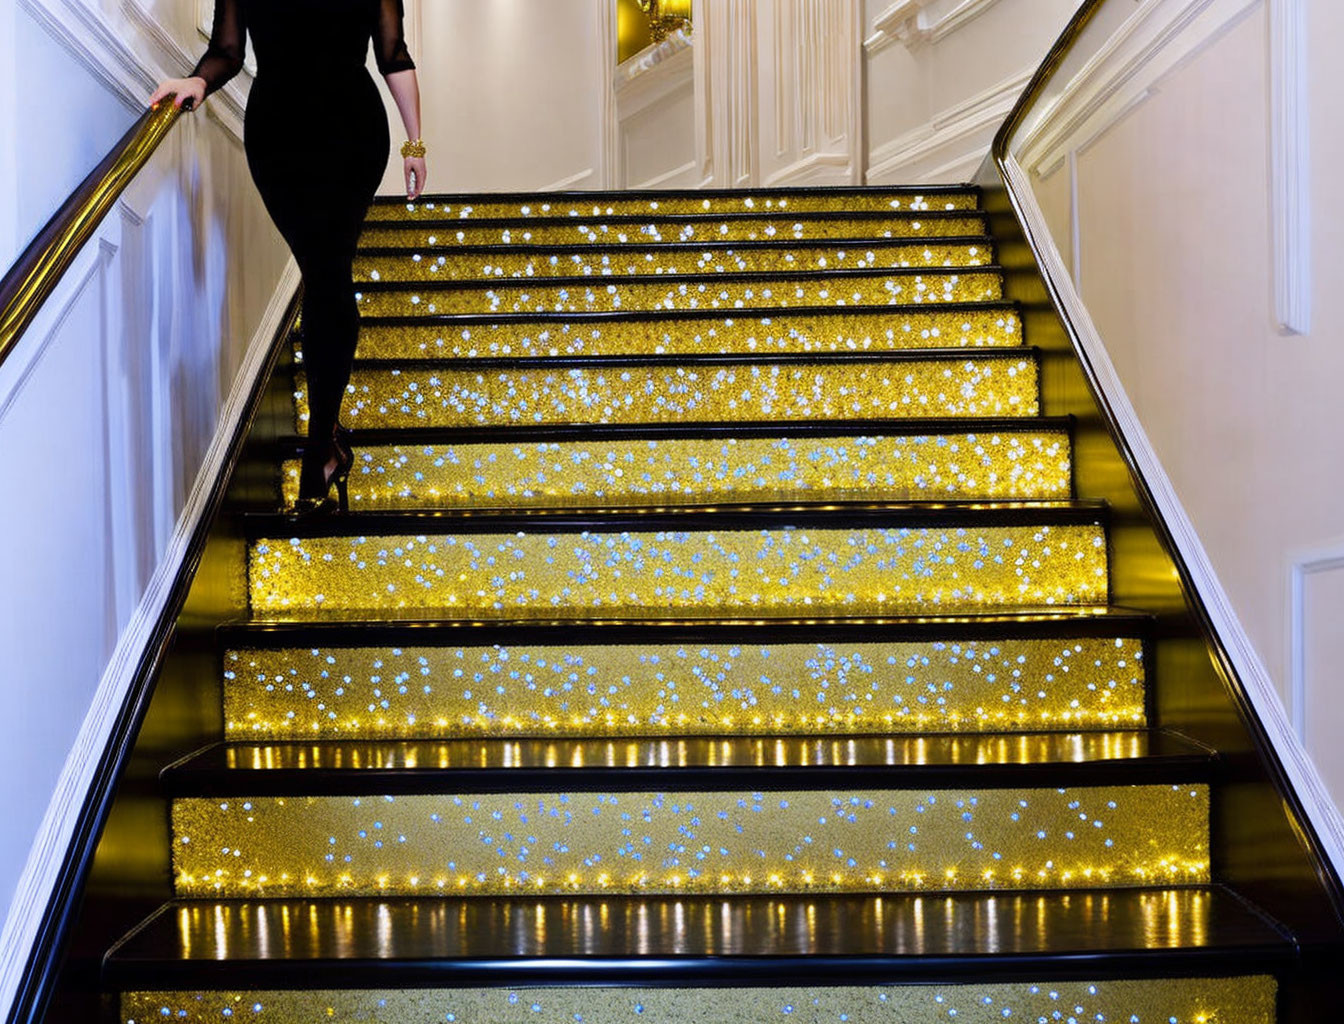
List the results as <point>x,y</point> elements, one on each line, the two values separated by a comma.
<point>416,148</point>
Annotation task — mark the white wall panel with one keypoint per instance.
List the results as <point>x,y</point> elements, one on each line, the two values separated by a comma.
<point>941,76</point>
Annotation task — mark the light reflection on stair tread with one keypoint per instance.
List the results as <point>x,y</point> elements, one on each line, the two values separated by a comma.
<point>833,840</point>
<point>641,262</point>
<point>876,288</point>
<point>976,386</point>
<point>396,691</point>
<point>604,231</point>
<point>782,332</point>
<point>697,751</point>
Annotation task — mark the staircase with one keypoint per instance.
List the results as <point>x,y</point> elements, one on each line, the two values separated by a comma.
<point>715,636</point>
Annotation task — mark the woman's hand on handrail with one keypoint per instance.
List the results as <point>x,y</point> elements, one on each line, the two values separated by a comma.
<point>182,90</point>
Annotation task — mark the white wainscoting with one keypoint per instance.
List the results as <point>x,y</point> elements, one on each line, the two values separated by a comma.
<point>951,145</point>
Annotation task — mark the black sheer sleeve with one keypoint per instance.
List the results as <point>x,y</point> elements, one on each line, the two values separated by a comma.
<point>389,38</point>
<point>228,45</point>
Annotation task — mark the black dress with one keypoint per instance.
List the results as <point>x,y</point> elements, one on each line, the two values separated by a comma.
<point>316,138</point>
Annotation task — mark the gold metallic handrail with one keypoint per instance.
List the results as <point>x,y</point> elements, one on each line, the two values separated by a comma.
<point>35,274</point>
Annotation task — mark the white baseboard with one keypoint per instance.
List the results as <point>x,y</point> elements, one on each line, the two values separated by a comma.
<point>47,856</point>
<point>1259,686</point>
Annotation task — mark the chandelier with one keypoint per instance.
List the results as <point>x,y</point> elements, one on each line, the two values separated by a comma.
<point>666,16</point>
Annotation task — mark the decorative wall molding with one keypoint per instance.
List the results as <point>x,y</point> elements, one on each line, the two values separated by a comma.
<point>609,138</point>
<point>121,64</point>
<point>806,96</point>
<point>725,92</point>
<point>1259,685</point>
<point>1300,572</point>
<point>1160,36</point>
<point>1290,165</point>
<point>654,75</point>
<point>917,22</point>
<point>960,135</point>
<point>58,826</point>
<point>570,180</point>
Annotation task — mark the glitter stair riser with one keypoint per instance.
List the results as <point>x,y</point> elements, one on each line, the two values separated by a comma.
<point>671,204</point>
<point>768,572</point>
<point>672,260</point>
<point>1002,464</point>
<point>431,692</point>
<point>572,231</point>
<point>642,392</point>
<point>821,841</point>
<point>792,332</point>
<point>726,292</point>
<point>1236,1000</point>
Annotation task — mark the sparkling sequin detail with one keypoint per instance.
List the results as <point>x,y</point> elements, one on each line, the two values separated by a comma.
<point>865,288</point>
<point>1245,1000</point>
<point>588,231</point>
<point>1033,464</point>
<point>763,202</point>
<point>729,842</point>
<point>780,334</point>
<point>429,266</point>
<point>771,572</point>
<point>984,385</point>
<point>683,689</point>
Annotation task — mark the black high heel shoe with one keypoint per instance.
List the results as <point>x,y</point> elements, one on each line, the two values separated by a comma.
<point>314,499</point>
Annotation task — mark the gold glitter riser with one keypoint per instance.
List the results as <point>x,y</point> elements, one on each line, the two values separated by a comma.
<point>480,208</point>
<point>822,841</point>
<point>679,689</point>
<point>1243,1000</point>
<point>447,397</point>
<point>765,573</point>
<point>634,295</point>
<point>685,471</point>
<point>783,333</point>
<point>581,232</point>
<point>653,262</point>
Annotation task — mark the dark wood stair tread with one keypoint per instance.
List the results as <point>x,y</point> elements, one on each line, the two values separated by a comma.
<point>362,767</point>
<point>556,939</point>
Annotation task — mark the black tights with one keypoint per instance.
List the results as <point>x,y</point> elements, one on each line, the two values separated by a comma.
<point>317,166</point>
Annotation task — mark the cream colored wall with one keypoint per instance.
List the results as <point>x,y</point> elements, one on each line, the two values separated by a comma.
<point>1175,222</point>
<point>942,75</point>
<point>512,93</point>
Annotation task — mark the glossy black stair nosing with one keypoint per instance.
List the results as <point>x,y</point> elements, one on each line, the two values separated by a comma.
<point>550,219</point>
<point>838,275</point>
<point>748,517</point>
<point>1243,941</point>
<point>467,364</point>
<point>704,245</point>
<point>360,633</point>
<point>580,318</point>
<point>696,431</point>
<point>658,194</point>
<point>205,772</point>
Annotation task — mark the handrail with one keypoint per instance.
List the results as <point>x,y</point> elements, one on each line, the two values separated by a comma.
<point>35,274</point>
<point>1049,67</point>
